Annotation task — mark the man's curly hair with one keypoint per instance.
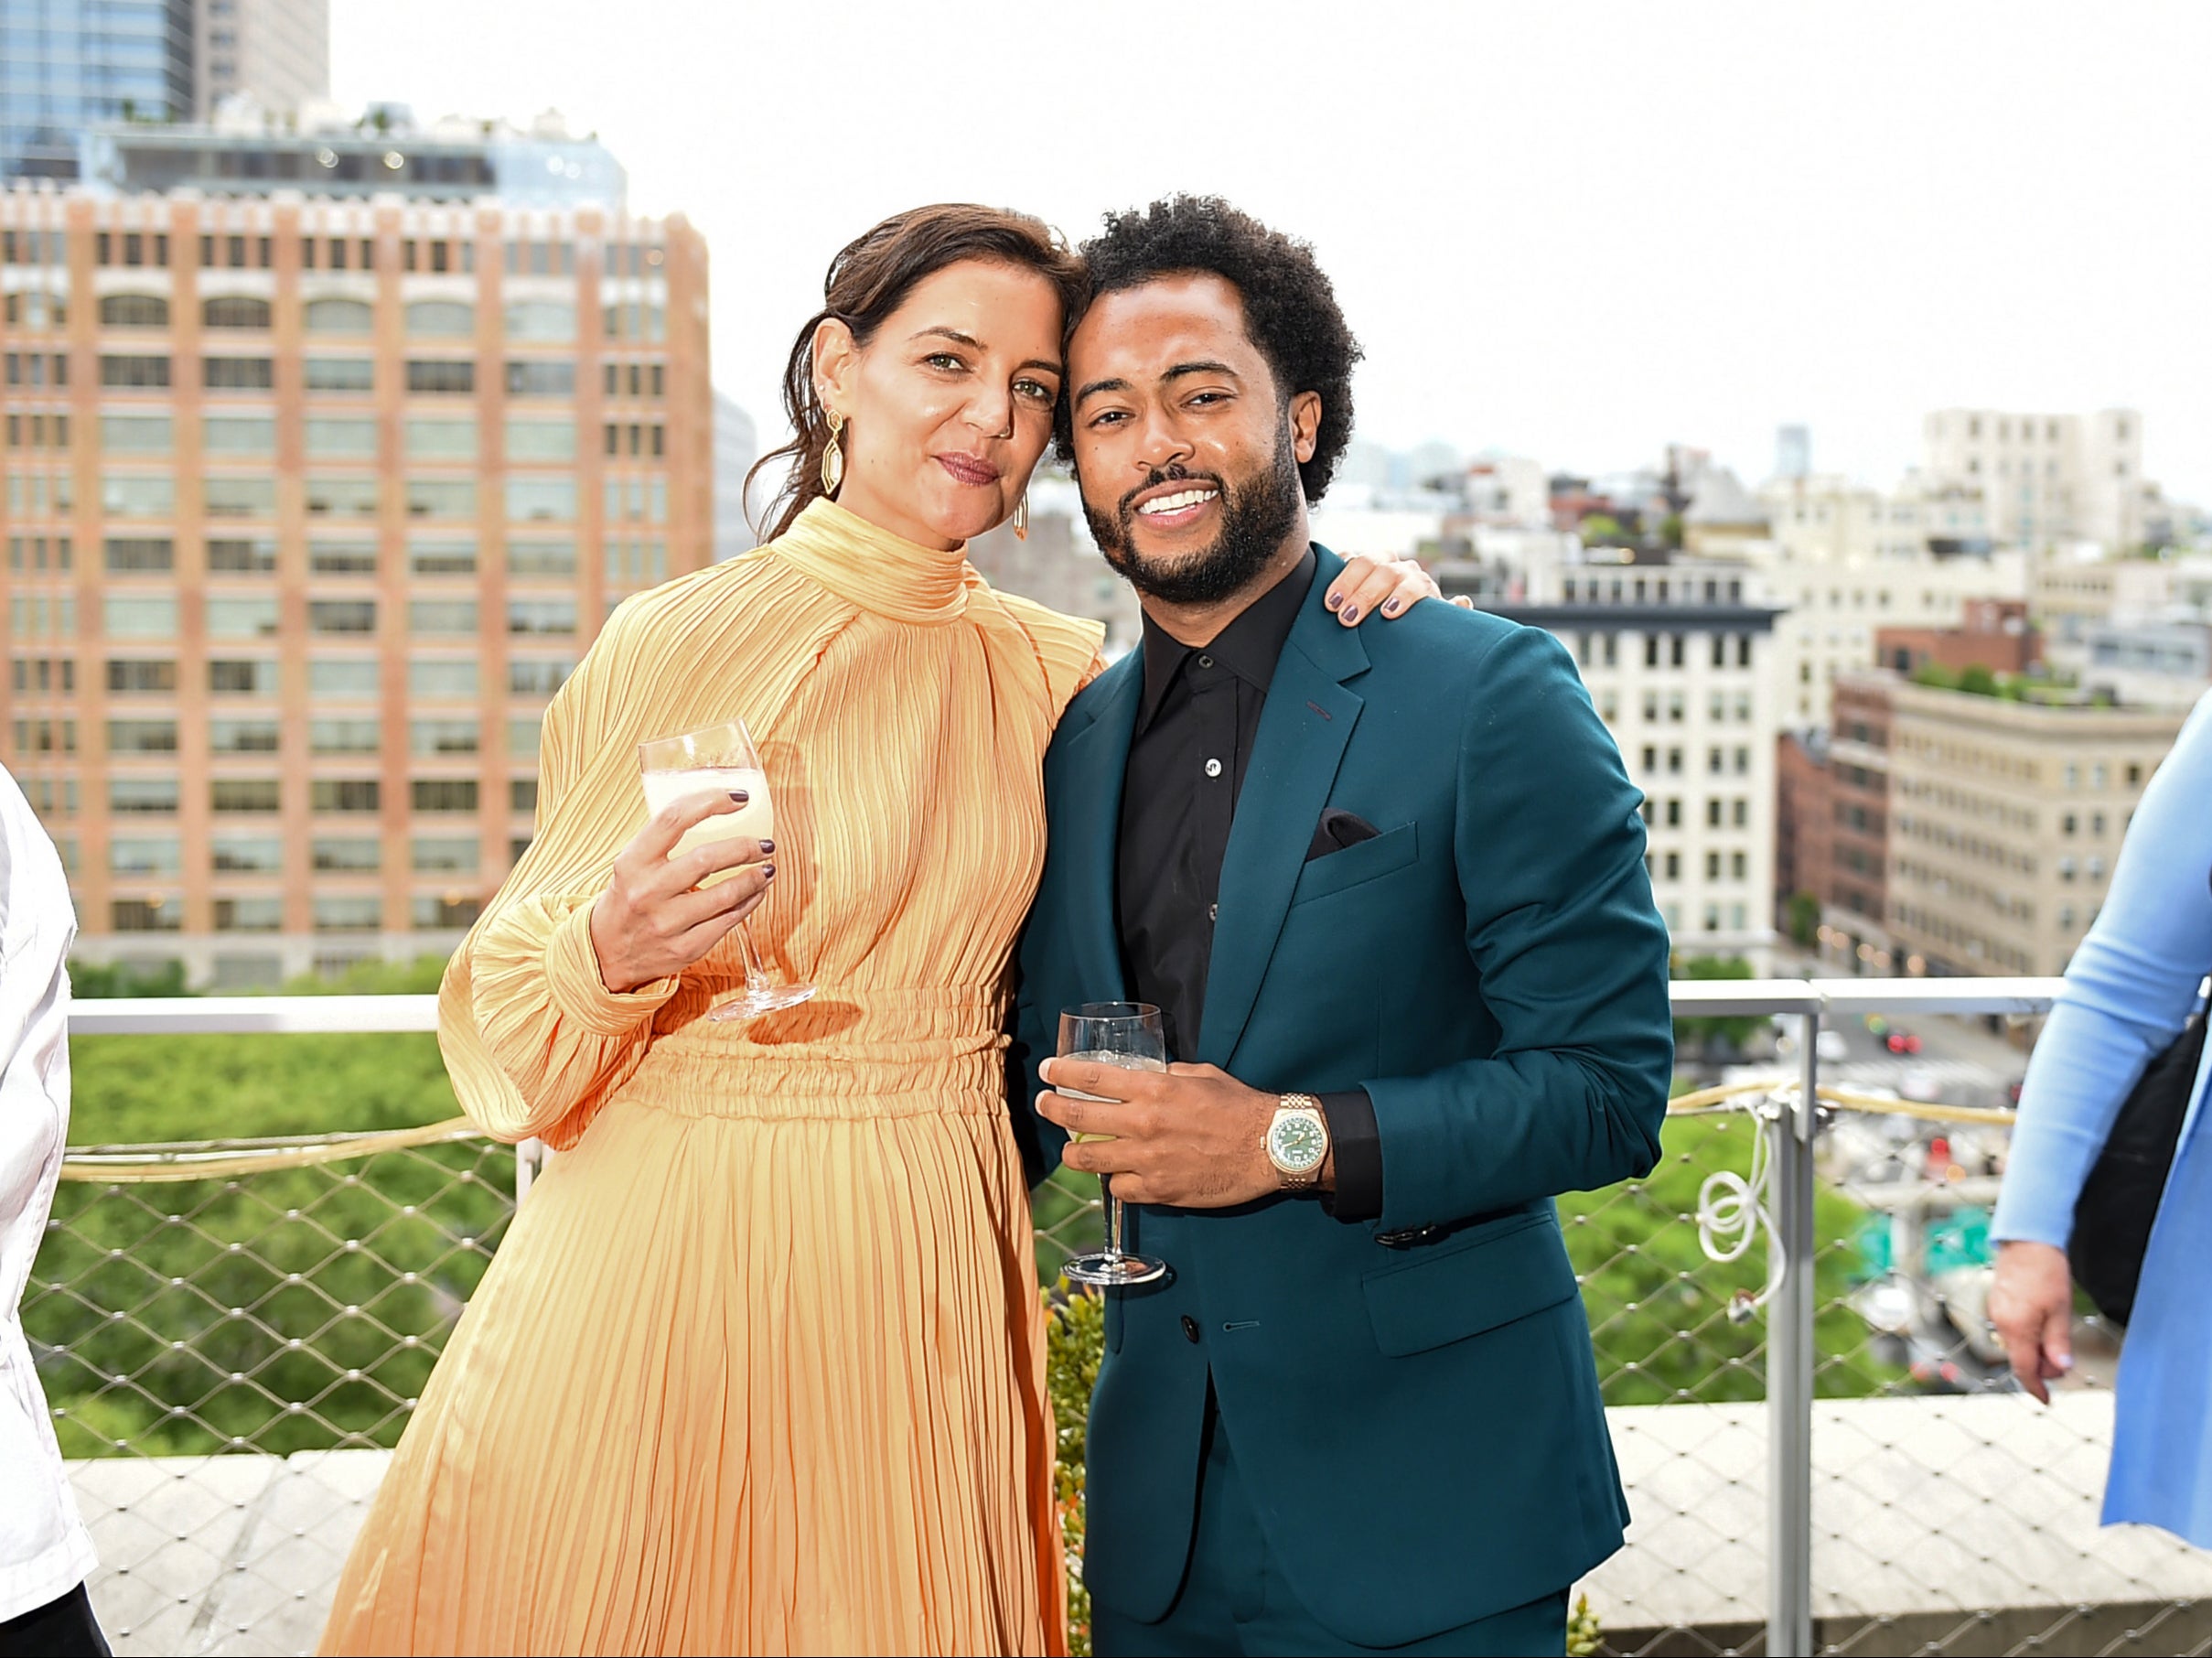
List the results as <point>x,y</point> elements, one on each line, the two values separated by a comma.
<point>1290,307</point>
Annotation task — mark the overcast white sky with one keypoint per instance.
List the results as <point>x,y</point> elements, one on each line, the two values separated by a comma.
<point>1574,231</point>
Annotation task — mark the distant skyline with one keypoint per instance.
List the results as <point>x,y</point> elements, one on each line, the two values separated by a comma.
<point>1577,232</point>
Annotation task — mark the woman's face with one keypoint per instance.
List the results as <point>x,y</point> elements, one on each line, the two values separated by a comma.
<point>949,405</point>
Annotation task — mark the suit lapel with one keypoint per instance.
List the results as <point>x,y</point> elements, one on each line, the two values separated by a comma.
<point>1086,824</point>
<point>1304,730</point>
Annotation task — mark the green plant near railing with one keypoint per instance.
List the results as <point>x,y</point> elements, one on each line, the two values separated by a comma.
<point>1074,1341</point>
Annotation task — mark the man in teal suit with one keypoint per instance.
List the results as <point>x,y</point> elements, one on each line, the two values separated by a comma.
<point>1388,887</point>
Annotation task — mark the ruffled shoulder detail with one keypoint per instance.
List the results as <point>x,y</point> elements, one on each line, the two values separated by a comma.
<point>1069,648</point>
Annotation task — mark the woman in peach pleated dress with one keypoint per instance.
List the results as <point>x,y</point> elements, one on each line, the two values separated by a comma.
<point>759,1366</point>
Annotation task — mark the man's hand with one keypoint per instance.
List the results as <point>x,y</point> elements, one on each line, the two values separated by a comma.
<point>1191,1137</point>
<point>2032,1305</point>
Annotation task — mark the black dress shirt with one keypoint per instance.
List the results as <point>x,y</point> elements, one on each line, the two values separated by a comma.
<point>1196,725</point>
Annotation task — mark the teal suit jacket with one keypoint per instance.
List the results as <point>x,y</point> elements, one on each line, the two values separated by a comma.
<point>1418,1423</point>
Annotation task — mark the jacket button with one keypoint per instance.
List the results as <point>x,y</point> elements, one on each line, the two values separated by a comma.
<point>1190,1327</point>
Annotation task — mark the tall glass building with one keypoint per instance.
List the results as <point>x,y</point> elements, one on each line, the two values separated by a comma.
<point>69,64</point>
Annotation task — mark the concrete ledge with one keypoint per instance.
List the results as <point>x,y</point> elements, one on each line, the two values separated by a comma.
<point>1941,1525</point>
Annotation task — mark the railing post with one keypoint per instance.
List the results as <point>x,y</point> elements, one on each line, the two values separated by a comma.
<point>529,1158</point>
<point>1790,1368</point>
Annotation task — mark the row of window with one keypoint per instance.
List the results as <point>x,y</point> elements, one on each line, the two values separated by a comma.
<point>1718,762</point>
<point>155,616</point>
<point>1668,866</point>
<point>156,554</point>
<point>549,321</point>
<point>429,677</point>
<point>1660,649</point>
<point>361,734</point>
<point>1640,589</point>
<point>58,797</point>
<point>265,855</point>
<point>426,377</point>
<point>333,437</point>
<point>1972,946</point>
<point>220,251</point>
<point>253,495</point>
<point>329,911</point>
<point>160,796</point>
<point>1667,813</point>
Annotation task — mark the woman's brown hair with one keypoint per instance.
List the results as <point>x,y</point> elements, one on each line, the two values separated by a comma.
<point>869,279</point>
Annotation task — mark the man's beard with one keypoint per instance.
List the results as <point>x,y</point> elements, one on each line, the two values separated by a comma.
<point>1256,520</point>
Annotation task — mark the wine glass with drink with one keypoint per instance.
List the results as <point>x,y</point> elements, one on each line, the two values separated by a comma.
<point>720,759</point>
<point>1128,1035</point>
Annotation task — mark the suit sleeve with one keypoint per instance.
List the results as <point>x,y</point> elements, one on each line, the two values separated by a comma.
<point>1032,1042</point>
<point>1571,954</point>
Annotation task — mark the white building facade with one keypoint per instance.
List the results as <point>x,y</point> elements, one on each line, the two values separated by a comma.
<point>2047,479</point>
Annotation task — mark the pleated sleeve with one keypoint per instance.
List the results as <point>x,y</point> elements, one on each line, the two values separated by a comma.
<point>532,1038</point>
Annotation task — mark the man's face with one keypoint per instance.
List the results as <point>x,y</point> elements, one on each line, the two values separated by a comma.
<point>1186,457</point>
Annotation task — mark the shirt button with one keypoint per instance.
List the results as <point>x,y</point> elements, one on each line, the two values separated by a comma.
<point>1206,661</point>
<point>1190,1328</point>
<point>1213,768</point>
<point>1213,913</point>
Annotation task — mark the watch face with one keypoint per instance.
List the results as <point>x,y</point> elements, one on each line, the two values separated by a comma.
<point>1299,1144</point>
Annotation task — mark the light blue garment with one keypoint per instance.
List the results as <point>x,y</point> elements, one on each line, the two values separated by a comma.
<point>2129,990</point>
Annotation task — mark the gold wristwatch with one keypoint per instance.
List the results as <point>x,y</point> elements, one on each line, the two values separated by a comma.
<point>1297,1141</point>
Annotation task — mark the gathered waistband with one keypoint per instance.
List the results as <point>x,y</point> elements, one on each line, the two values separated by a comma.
<point>844,1053</point>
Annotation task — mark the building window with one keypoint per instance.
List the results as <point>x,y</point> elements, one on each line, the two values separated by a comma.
<point>340,374</point>
<point>161,855</point>
<point>329,438</point>
<point>330,316</point>
<point>257,794</point>
<point>441,497</point>
<point>263,913</point>
<point>234,311</point>
<point>541,499</point>
<point>348,912</point>
<point>134,617</point>
<point>549,378</point>
<point>243,735</point>
<point>132,373</point>
<point>230,497</point>
<point>450,318</point>
<point>139,555</point>
<point>446,439</point>
<point>128,674</point>
<point>343,677</point>
<point>147,795</point>
<point>542,558</point>
<point>522,794</point>
<point>238,374</point>
<point>146,915</point>
<point>341,616</point>
<point>438,912</point>
<point>542,440</point>
<point>439,376</point>
<point>529,678</point>
<point>356,733</point>
<point>345,794</point>
<point>247,855</point>
<point>445,793</point>
<point>133,311</point>
<point>348,854</point>
<point>350,497</point>
<point>138,496</point>
<point>443,735</point>
<point>544,616</point>
<point>446,855</point>
<point>243,618</point>
<point>545,322</point>
<point>442,616</point>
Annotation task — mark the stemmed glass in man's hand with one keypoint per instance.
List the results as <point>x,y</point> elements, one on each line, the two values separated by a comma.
<point>1130,1035</point>
<point>722,760</point>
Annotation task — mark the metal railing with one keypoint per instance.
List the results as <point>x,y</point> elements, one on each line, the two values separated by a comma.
<point>277,1263</point>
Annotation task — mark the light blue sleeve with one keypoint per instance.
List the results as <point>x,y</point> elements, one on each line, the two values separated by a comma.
<point>2129,990</point>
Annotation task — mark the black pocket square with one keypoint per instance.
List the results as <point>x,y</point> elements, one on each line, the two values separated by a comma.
<point>1337,830</point>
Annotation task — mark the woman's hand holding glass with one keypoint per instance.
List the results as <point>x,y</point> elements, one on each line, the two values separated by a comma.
<point>657,917</point>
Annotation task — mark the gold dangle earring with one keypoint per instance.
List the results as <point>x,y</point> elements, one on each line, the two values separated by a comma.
<point>833,457</point>
<point>1021,519</point>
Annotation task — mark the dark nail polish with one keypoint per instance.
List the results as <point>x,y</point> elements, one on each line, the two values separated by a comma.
<point>768,846</point>
<point>1390,609</point>
<point>768,872</point>
<point>1336,601</point>
<point>740,796</point>
<point>1352,615</point>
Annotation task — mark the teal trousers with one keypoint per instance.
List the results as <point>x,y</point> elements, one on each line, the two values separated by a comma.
<point>1235,1601</point>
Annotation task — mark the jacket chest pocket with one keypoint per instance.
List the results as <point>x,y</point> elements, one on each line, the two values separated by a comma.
<point>1356,865</point>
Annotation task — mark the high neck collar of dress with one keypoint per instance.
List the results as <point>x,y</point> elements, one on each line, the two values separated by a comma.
<point>865,565</point>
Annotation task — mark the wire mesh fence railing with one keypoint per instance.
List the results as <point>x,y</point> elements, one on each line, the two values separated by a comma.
<point>232,1335</point>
